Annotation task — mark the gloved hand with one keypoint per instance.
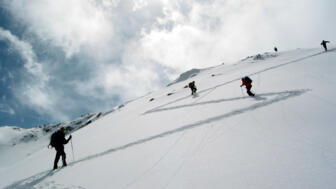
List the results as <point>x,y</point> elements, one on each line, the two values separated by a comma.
<point>70,137</point>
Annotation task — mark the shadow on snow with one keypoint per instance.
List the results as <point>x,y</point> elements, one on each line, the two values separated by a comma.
<point>259,97</point>
<point>280,96</point>
<point>209,90</point>
<point>30,182</point>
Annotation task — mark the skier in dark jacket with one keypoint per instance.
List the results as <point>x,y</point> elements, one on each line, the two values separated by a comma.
<point>192,86</point>
<point>248,84</point>
<point>58,140</point>
<point>324,44</point>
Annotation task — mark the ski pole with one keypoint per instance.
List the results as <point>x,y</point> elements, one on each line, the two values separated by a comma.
<point>242,91</point>
<point>73,155</point>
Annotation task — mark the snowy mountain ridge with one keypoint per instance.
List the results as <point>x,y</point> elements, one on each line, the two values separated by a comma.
<point>186,75</point>
<point>12,135</point>
<point>219,138</point>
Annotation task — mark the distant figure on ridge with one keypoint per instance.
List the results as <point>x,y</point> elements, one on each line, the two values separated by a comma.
<point>57,141</point>
<point>275,49</point>
<point>324,44</point>
<point>248,84</point>
<point>193,88</point>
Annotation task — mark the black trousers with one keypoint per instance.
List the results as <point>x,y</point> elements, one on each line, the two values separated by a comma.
<point>325,47</point>
<point>60,152</point>
<point>248,90</point>
<point>193,90</point>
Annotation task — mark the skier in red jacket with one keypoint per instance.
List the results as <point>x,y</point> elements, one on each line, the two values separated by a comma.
<point>248,84</point>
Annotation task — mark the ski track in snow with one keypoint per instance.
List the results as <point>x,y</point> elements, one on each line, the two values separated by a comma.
<point>329,154</point>
<point>257,97</point>
<point>238,79</point>
<point>185,160</point>
<point>280,96</point>
<point>262,100</point>
<point>33,182</point>
<point>146,172</point>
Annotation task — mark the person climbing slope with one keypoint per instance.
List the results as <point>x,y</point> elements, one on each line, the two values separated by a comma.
<point>275,49</point>
<point>324,44</point>
<point>248,84</point>
<point>57,141</point>
<point>193,88</point>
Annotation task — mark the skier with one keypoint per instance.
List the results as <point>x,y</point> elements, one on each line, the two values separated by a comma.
<point>248,84</point>
<point>324,44</point>
<point>192,86</point>
<point>275,49</point>
<point>57,141</point>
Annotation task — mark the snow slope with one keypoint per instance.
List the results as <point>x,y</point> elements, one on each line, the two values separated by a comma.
<point>282,138</point>
<point>17,143</point>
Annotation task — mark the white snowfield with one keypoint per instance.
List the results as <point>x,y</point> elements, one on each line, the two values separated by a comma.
<point>284,138</point>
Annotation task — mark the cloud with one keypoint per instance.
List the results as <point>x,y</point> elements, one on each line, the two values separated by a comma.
<point>139,4</point>
<point>5,109</point>
<point>104,28</point>
<point>26,52</point>
<point>66,24</point>
<point>81,54</point>
<point>33,91</point>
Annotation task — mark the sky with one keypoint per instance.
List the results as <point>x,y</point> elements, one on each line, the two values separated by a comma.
<point>65,58</point>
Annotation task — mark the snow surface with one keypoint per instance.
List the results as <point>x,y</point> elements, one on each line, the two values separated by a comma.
<point>186,75</point>
<point>221,138</point>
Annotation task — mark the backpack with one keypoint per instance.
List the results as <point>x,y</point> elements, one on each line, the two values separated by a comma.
<point>53,139</point>
<point>248,80</point>
<point>192,85</point>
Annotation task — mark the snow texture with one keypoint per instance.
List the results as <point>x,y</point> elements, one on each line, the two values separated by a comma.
<point>186,75</point>
<point>220,138</point>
